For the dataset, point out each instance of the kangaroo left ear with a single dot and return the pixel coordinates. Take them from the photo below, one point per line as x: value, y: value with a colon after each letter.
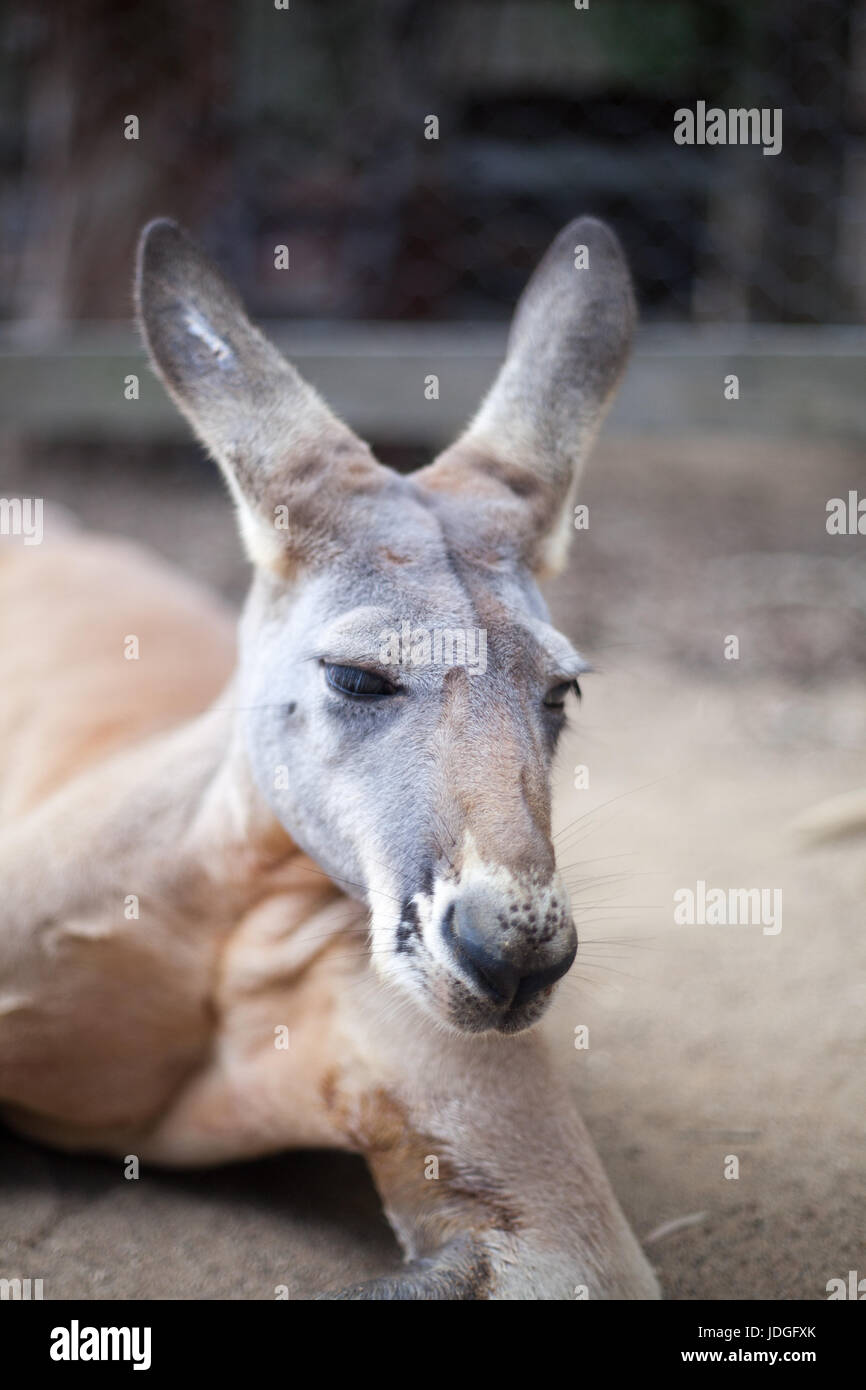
x: 280, y: 447
x: 566, y: 352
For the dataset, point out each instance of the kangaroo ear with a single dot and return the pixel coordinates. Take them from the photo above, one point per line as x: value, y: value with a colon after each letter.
x: 566, y: 352
x: 276, y: 441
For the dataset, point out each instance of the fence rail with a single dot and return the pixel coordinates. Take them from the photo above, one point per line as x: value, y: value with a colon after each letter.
x: 793, y: 380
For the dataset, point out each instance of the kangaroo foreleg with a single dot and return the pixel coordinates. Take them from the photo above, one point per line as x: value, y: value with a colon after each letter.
x: 486, y: 1172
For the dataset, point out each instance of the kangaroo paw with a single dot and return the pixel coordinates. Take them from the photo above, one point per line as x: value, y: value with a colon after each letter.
x: 461, y: 1270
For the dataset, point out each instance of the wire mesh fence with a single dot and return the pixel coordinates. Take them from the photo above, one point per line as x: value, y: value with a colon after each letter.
x: 414, y: 159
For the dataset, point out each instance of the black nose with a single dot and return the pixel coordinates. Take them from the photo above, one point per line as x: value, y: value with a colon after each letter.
x: 507, y: 976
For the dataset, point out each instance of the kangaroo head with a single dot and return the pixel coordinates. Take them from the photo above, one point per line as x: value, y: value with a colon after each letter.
x: 401, y: 690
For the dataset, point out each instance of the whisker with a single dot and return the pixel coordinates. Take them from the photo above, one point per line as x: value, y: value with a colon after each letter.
x: 592, y: 811
x: 308, y: 868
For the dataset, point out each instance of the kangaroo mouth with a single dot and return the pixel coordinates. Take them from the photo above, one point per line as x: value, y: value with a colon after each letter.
x: 467, y: 1012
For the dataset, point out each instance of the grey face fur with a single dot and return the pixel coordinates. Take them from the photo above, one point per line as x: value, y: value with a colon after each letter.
x: 425, y: 791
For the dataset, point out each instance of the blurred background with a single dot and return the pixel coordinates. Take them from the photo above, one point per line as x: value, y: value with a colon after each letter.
x: 305, y: 127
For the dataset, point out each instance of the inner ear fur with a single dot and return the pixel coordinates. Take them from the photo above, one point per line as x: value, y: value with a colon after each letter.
x: 567, y: 349
x: 285, y: 455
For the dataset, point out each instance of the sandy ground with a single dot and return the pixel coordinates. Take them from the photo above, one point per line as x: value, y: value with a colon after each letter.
x: 705, y: 1042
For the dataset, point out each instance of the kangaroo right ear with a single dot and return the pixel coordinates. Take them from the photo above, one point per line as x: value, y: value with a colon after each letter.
x: 566, y: 352
x: 278, y: 444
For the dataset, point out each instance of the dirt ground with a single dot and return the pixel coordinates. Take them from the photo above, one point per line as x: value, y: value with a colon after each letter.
x: 706, y: 1043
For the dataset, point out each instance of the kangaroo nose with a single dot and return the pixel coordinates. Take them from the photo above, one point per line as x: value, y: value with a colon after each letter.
x: 507, y: 977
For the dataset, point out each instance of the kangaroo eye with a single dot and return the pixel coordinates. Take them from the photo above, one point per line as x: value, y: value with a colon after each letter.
x: 555, y: 698
x: 357, y: 683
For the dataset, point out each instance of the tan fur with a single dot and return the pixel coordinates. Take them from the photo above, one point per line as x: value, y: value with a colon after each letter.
x: 69, y: 697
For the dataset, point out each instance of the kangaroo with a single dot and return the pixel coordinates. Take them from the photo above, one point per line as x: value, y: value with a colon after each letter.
x: 305, y: 895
